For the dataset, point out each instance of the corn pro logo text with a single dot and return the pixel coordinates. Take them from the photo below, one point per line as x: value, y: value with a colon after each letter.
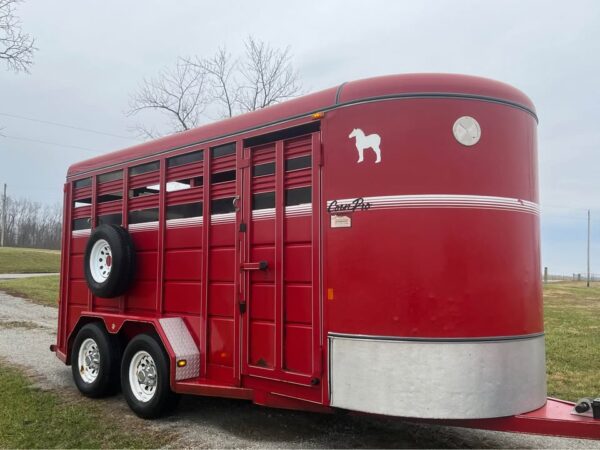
x: 359, y: 204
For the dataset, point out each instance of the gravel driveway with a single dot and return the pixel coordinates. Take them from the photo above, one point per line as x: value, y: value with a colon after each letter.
x: 14, y: 276
x: 27, y: 330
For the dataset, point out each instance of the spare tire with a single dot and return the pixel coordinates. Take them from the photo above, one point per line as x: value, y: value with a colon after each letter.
x: 109, y: 263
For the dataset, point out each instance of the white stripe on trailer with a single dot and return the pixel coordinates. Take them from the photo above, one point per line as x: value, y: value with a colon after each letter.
x: 146, y: 226
x: 304, y: 209
x: 290, y: 211
x: 444, y: 201
x: 185, y: 222
x: 222, y: 218
x: 80, y: 233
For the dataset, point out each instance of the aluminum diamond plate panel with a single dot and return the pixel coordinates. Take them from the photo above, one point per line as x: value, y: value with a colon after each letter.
x: 183, y: 345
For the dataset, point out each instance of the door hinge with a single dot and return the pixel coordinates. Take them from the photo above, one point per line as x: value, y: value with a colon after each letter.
x: 243, y: 227
x: 242, y: 304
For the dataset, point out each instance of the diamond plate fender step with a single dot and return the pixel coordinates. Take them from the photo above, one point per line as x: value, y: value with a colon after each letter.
x: 183, y: 345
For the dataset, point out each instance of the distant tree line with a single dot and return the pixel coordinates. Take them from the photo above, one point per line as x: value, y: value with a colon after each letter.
x: 31, y: 224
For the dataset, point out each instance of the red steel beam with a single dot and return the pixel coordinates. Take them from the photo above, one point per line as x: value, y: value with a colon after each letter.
x: 552, y: 419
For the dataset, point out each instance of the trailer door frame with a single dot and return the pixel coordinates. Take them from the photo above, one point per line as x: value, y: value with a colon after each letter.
x: 280, y: 304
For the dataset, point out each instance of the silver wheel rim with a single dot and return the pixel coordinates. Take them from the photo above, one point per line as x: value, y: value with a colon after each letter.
x: 101, y: 261
x: 89, y: 360
x: 143, y: 376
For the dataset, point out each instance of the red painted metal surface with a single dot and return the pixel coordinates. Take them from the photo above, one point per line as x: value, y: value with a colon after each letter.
x: 554, y: 419
x: 408, y: 84
x: 194, y: 388
x: 505, y: 296
x: 280, y: 334
x: 201, y: 227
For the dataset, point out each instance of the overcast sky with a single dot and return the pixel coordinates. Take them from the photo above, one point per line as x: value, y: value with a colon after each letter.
x: 93, y: 54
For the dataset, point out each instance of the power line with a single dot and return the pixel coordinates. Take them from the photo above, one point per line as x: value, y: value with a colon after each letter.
x: 49, y: 143
x: 64, y: 125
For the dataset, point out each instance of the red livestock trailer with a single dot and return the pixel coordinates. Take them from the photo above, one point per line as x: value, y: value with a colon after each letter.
x: 372, y: 247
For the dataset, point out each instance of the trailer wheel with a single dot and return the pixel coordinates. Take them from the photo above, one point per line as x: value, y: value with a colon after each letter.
x: 145, y: 378
x: 109, y: 262
x: 95, y: 361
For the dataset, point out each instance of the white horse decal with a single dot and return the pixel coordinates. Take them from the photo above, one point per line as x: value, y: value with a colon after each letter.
x: 363, y: 142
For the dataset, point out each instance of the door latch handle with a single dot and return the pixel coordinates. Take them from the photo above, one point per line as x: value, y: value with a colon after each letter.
x: 261, y: 265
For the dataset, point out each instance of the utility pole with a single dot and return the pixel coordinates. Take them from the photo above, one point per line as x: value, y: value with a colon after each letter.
x: 588, y: 251
x: 3, y: 217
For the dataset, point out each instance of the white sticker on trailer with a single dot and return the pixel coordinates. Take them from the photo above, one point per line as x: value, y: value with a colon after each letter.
x: 338, y: 221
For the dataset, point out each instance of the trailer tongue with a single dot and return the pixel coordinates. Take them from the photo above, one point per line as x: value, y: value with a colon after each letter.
x: 555, y: 418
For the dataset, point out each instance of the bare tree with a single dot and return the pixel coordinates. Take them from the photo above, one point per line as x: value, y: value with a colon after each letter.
x: 268, y: 76
x: 222, y: 83
x: 223, y: 86
x: 181, y: 93
x: 16, y: 47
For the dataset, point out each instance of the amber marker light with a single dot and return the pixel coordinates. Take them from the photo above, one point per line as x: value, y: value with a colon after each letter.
x: 181, y: 363
x: 318, y: 115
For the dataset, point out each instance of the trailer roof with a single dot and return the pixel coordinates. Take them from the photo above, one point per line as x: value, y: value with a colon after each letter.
x: 390, y: 86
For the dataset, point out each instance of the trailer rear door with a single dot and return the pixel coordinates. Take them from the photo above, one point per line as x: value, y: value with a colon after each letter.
x: 280, y: 254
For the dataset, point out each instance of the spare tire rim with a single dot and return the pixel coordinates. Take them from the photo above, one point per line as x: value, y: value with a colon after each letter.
x: 88, y: 360
x: 101, y: 261
x: 143, y: 376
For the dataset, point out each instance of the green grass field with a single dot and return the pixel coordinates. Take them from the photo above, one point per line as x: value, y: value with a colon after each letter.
x: 572, y: 313
x: 31, y: 418
x: 26, y: 260
x: 41, y: 290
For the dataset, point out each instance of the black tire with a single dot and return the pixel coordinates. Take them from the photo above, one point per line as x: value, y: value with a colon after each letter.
x: 163, y: 400
x: 107, y: 379
x: 122, y: 264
